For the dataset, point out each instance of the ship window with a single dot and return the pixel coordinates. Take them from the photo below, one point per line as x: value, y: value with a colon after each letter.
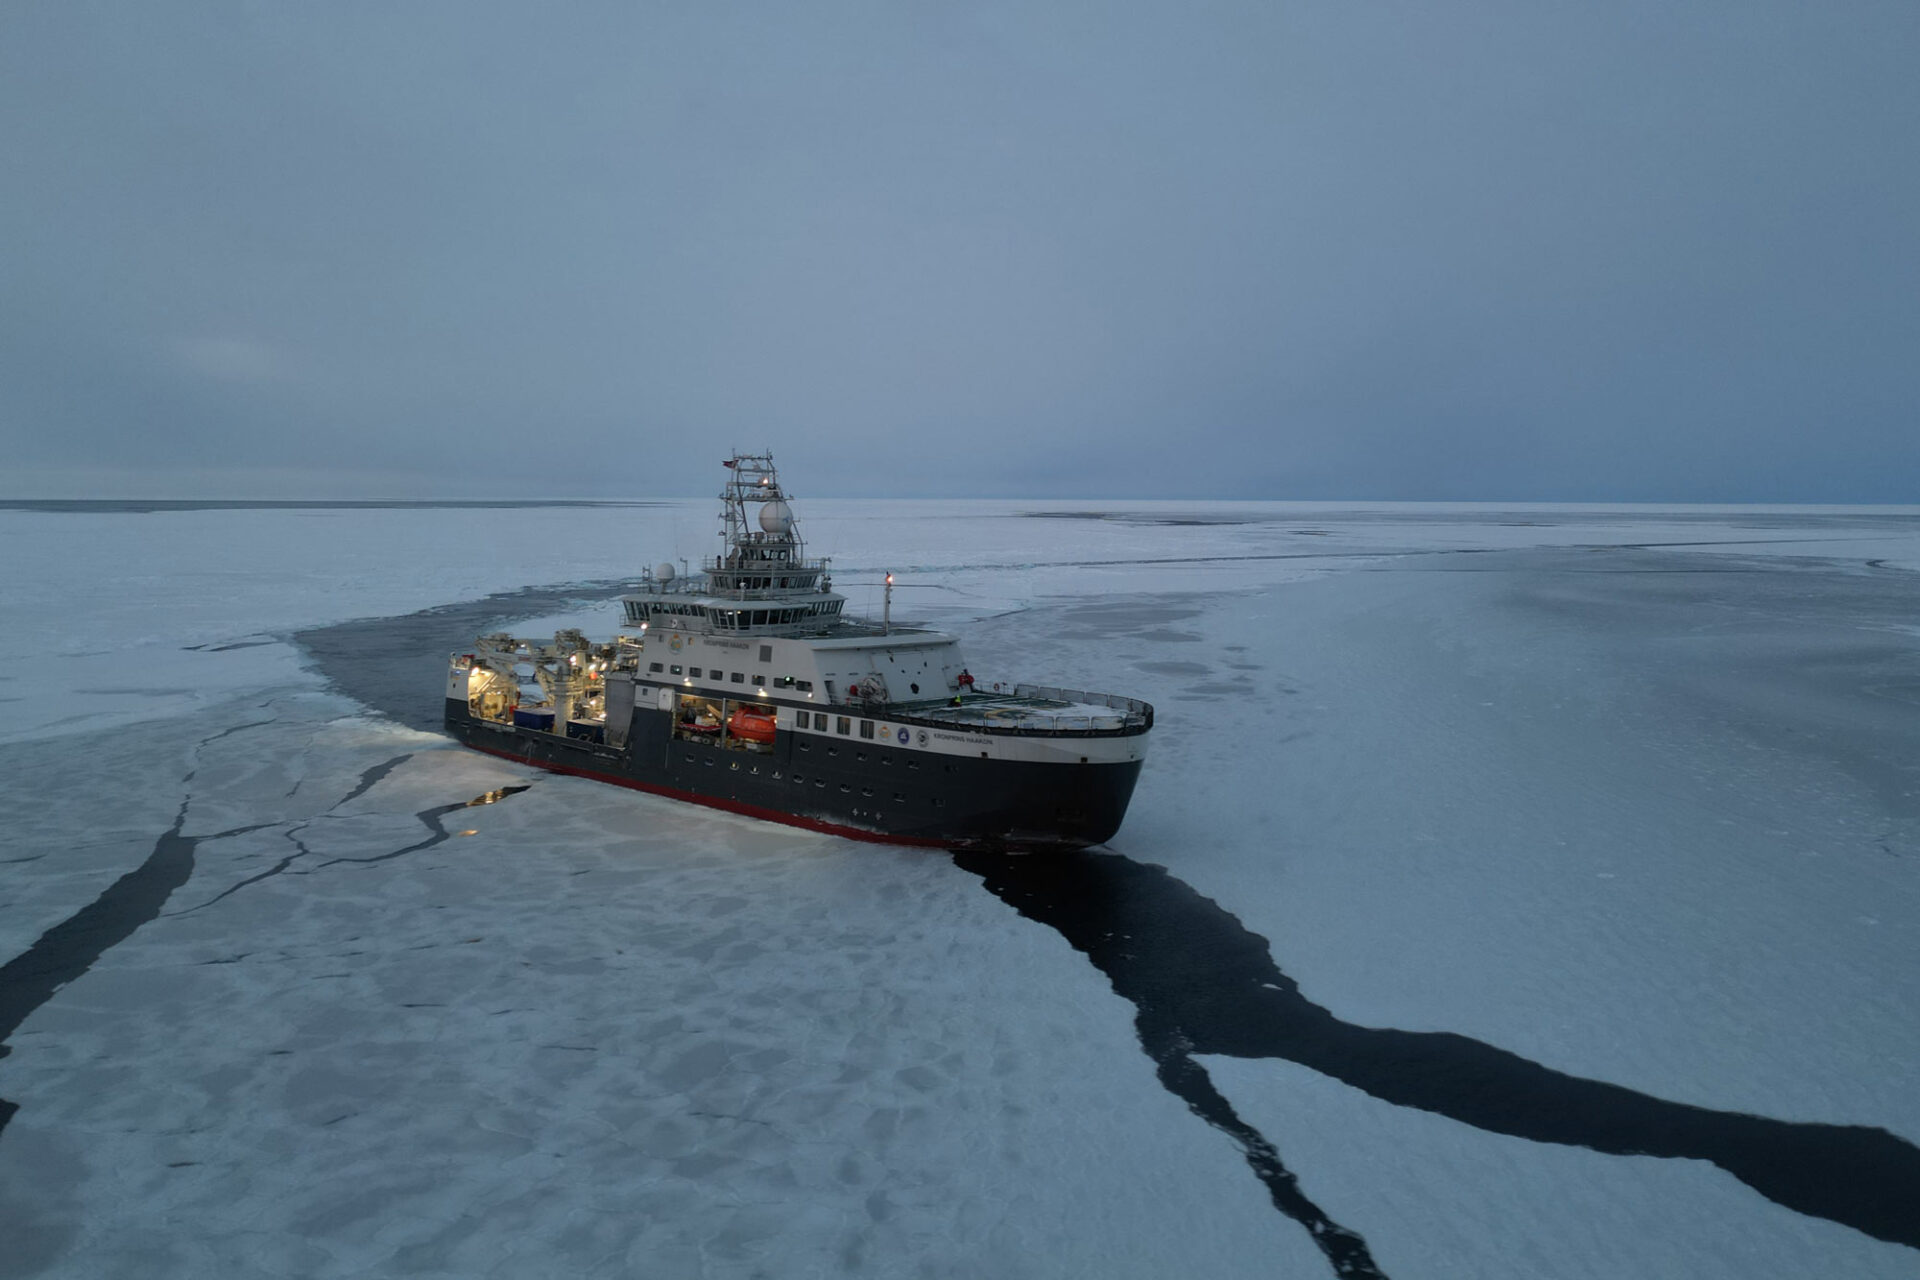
x: 866, y: 728
x: 739, y: 677
x: 820, y: 721
x: 866, y: 791
x: 653, y: 666
x: 842, y: 725
x: 766, y: 653
x: 913, y: 764
x: 675, y: 670
x: 846, y: 788
x: 806, y: 686
x: 786, y: 682
x: 760, y: 681
x: 694, y: 672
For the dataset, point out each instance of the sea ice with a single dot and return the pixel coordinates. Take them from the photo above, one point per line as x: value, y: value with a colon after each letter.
x: 1628, y: 793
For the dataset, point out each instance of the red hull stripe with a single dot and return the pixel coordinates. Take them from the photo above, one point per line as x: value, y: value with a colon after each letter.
x: 714, y: 802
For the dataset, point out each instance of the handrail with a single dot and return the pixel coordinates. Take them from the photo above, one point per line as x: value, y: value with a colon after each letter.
x: 1136, y: 717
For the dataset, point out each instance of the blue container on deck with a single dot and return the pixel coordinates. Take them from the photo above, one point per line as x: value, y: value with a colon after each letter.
x: 587, y: 730
x: 525, y: 719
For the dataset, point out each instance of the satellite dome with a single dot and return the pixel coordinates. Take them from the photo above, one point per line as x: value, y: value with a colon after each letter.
x: 776, y: 517
x: 663, y: 571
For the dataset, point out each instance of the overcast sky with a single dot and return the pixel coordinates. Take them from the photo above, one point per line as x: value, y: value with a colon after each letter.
x: 1662, y: 250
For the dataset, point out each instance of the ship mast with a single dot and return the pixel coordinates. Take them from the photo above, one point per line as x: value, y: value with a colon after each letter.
x: 773, y: 534
x: 765, y: 556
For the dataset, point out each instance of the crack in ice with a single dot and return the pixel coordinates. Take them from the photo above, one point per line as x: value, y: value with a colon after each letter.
x: 368, y: 778
x: 71, y: 948
x: 1202, y: 982
x: 430, y: 818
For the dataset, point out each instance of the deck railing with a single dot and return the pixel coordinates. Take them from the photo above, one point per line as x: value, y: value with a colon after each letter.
x: 1124, y: 716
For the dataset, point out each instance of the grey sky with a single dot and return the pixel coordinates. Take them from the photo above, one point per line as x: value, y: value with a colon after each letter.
x: 1339, y: 249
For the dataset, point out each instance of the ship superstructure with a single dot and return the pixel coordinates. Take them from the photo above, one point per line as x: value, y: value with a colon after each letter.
x: 746, y: 687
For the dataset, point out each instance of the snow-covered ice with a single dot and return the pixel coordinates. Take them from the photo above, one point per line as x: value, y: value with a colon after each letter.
x: 1630, y: 794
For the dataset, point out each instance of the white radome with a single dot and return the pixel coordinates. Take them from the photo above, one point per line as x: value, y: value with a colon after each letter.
x: 663, y: 571
x: 776, y: 517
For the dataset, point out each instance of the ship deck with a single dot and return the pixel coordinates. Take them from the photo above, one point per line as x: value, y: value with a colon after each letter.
x: 1032, y: 709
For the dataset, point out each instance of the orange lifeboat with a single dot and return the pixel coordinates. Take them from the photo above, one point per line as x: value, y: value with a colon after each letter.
x: 751, y: 726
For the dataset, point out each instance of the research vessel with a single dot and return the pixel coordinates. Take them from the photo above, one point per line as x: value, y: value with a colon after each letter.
x: 747, y: 687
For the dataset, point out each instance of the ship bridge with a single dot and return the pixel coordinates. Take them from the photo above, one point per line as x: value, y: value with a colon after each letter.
x: 761, y: 584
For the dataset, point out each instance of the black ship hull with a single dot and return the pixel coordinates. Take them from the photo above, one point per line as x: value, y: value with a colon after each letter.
x: 867, y: 791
